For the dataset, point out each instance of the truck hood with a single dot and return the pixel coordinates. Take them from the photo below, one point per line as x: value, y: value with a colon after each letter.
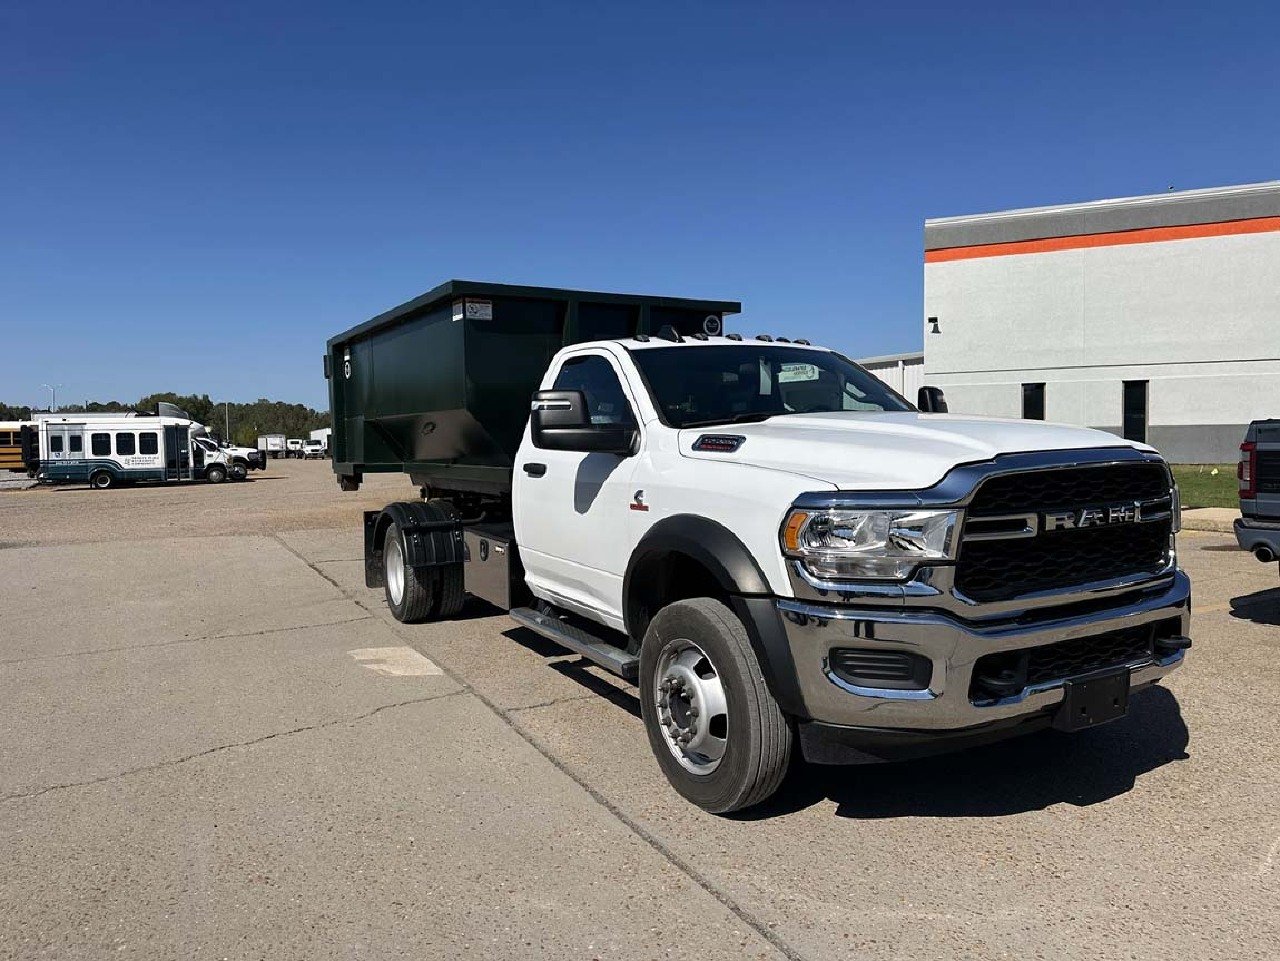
x: 857, y: 450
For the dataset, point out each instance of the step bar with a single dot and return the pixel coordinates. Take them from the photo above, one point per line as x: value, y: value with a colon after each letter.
x: 593, y: 648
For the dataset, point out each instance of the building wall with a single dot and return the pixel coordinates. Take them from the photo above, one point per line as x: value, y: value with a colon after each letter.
x: 1198, y: 318
x: 904, y: 374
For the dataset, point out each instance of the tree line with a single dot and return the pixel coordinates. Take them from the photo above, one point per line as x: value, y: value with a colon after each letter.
x: 247, y: 421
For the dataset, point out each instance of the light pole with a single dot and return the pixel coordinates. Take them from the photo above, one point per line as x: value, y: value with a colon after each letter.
x: 53, y: 395
x: 226, y: 421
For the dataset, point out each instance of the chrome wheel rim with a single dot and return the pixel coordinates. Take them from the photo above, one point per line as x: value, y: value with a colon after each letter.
x: 394, y: 565
x: 693, y: 713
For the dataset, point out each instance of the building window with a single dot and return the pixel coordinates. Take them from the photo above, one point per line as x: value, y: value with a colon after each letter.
x: 149, y: 443
x: 76, y: 443
x: 1033, y: 401
x: 55, y: 443
x: 125, y: 444
x: 100, y: 444
x: 1134, y: 415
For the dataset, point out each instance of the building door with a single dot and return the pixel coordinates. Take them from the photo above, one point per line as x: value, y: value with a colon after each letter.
x: 1033, y: 401
x: 1134, y: 418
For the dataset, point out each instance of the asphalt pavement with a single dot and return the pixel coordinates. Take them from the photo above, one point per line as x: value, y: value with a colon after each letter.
x: 218, y: 744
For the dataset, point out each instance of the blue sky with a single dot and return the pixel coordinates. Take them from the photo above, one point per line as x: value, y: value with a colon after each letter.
x: 196, y: 196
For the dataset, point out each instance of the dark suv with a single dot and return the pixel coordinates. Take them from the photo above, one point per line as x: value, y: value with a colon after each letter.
x: 1258, y: 529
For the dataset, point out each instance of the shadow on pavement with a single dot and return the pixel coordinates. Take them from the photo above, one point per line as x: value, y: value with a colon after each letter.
x: 1023, y: 774
x: 1261, y: 607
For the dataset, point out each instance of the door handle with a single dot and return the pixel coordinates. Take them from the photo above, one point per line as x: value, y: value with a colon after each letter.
x: 535, y: 470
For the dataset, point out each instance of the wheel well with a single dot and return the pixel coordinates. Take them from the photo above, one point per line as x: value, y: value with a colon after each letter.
x: 662, y: 578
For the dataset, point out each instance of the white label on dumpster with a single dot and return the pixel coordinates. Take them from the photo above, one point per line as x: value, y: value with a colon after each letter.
x: 479, y: 310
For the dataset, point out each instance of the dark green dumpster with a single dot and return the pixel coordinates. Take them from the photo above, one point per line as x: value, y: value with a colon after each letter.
x: 439, y: 387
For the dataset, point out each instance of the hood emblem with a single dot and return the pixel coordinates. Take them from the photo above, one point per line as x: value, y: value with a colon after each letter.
x: 719, y: 443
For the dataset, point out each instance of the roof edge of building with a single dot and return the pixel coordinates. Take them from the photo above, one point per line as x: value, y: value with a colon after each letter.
x: 1173, y: 209
x: 892, y: 358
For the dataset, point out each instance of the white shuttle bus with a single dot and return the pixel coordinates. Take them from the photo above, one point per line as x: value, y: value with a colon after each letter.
x: 108, y: 450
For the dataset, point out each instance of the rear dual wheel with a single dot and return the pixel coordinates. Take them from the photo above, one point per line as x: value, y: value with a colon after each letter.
x: 417, y: 594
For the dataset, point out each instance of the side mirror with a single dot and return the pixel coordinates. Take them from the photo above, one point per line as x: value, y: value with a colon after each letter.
x: 558, y: 421
x: 930, y: 400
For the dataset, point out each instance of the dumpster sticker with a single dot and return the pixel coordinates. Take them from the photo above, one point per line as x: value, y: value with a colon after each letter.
x: 711, y: 325
x: 473, y: 310
x: 346, y: 364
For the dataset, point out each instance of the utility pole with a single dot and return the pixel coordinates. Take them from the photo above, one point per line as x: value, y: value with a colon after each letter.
x: 226, y: 422
x: 53, y: 395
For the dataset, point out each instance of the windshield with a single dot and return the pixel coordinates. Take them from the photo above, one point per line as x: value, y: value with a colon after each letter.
x: 700, y: 386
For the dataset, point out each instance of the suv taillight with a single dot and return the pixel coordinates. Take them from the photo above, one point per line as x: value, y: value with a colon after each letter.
x: 1248, y: 470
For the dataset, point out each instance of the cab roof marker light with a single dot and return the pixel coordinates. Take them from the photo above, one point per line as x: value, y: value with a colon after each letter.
x: 765, y: 337
x: 734, y: 337
x: 801, y: 340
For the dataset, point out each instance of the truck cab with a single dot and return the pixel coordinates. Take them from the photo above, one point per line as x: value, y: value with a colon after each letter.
x: 787, y: 557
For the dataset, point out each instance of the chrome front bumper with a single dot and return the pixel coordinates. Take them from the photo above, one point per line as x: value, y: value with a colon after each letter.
x: 953, y: 645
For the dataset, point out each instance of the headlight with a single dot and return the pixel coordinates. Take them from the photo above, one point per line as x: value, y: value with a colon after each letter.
x: 867, y: 543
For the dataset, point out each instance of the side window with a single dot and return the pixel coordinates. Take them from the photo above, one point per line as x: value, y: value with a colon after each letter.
x: 55, y: 443
x: 594, y: 376
x: 125, y: 444
x: 149, y: 443
x: 76, y: 443
x: 100, y: 444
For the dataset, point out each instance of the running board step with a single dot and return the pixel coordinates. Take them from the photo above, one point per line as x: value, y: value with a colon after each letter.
x: 579, y: 641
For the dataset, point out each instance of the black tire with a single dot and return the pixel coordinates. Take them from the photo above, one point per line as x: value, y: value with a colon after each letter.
x: 348, y: 483
x: 453, y: 590
x: 101, y: 480
x: 215, y: 474
x: 757, y: 739
x: 238, y: 472
x: 419, y: 588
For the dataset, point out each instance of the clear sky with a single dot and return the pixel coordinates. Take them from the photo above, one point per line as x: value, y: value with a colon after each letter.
x: 196, y: 196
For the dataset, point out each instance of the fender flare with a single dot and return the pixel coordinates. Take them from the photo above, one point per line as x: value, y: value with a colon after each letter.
x: 432, y: 538
x: 723, y: 554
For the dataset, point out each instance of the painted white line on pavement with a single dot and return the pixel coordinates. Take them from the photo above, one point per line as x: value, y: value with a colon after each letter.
x: 395, y: 661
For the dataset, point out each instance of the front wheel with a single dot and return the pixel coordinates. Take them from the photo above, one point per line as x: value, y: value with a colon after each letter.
x: 718, y: 734
x: 238, y: 472
x: 215, y: 474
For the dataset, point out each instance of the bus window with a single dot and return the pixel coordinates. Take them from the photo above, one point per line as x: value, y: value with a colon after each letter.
x: 125, y: 444
x: 75, y: 444
x: 149, y: 443
x: 100, y: 444
x: 55, y: 443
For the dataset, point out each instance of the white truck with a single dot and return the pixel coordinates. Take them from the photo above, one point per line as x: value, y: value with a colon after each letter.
x: 785, y: 555
x: 294, y: 447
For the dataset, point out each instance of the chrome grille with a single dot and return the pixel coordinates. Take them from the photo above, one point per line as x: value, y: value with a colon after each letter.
x: 1004, y: 558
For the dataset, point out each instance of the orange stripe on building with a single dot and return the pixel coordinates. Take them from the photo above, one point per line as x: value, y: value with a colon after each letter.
x: 1145, y: 235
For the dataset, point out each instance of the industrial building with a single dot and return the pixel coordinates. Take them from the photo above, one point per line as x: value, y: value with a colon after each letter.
x: 1156, y: 318
x: 903, y: 372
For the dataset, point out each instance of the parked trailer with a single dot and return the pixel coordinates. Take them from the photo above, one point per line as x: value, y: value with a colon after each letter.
x: 272, y: 445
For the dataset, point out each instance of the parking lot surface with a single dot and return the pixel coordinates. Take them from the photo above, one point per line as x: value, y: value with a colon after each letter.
x: 216, y: 743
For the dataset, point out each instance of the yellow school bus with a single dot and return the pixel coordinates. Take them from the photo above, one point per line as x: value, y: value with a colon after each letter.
x: 11, y: 444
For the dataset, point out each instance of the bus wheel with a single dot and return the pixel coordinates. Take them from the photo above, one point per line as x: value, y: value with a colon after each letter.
x: 101, y: 480
x: 215, y: 474
x: 239, y: 472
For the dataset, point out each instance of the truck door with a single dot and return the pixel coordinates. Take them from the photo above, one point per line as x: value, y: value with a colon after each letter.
x: 571, y: 508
